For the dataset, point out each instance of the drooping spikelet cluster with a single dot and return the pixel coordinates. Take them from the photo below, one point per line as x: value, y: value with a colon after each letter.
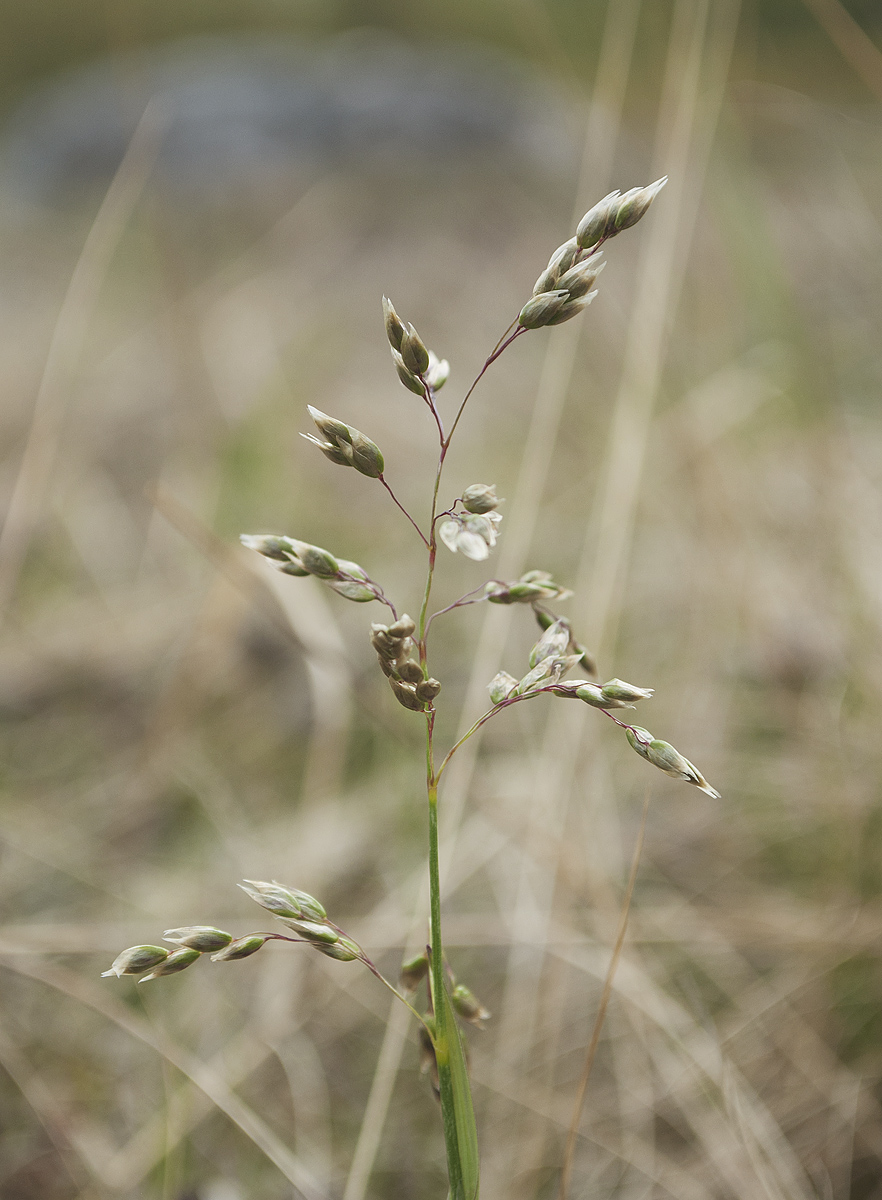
x: 297, y: 910
x: 292, y: 557
x: 394, y: 646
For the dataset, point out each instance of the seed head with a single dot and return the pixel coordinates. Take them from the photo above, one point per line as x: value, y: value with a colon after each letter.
x: 333, y: 430
x: 546, y: 282
x: 564, y: 256
x: 580, y: 278
x: 428, y: 690
x: 411, y: 672
x: 664, y: 756
x: 394, y: 327
x: 468, y: 1006
x: 135, y: 960
x: 283, y: 901
x: 571, y: 309
x: 405, y: 694
x: 407, y: 377
x: 413, y: 352
x: 281, y: 551
x: 592, y: 694
x: 534, y: 585
x: 671, y: 761
x: 349, y: 584
x: 329, y: 449
x: 596, y: 222
x: 553, y: 643
x: 367, y: 457
x: 199, y: 937
x: 545, y: 672
x: 405, y: 626
x: 413, y: 972
x: 640, y: 739
x: 314, y: 931
x: 539, y: 311
x: 501, y: 686
x: 624, y: 694
x: 345, y: 445
x: 384, y: 641
x: 242, y: 947
x: 317, y: 561
x: 343, y: 950
x: 177, y: 961
x: 632, y: 206
x: 481, y: 498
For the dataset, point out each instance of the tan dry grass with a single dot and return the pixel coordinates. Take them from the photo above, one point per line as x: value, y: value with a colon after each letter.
x: 167, y: 732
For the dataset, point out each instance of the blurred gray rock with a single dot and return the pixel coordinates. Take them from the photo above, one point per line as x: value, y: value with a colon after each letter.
x: 239, y: 110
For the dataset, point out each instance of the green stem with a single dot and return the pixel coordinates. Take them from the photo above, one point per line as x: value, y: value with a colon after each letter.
x: 443, y: 1033
x: 433, y: 550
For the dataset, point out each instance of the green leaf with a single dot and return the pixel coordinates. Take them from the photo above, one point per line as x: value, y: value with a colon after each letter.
x: 463, y: 1110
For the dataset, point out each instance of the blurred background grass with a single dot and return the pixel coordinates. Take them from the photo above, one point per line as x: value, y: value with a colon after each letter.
x: 702, y: 458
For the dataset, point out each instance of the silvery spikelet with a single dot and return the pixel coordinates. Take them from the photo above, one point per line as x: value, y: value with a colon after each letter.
x: 135, y: 960
x: 353, y: 587
x: 552, y: 644
x: 534, y: 585
x: 177, y: 961
x: 283, y: 901
x: 633, y: 205
x: 437, y: 373
x: 593, y: 225
x: 664, y: 756
x: 501, y: 686
x: 343, y: 950
x: 313, y: 931
x: 406, y: 376
x: 413, y: 351
x: 203, y: 938
x: 580, y: 278
x: 571, y: 309
x: 481, y: 498
x: 345, y: 445
x: 281, y: 551
x: 393, y: 324
x: 545, y: 671
x: 625, y: 694
x: 541, y: 309
x: 468, y: 1006
x: 242, y: 947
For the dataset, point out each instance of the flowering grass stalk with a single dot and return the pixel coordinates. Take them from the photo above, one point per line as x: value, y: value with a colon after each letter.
x: 469, y: 526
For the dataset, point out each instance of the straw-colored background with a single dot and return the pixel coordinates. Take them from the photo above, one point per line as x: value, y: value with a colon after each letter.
x: 700, y: 457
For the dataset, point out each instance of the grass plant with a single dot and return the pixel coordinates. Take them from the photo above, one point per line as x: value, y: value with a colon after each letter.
x: 174, y: 720
x: 469, y: 525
